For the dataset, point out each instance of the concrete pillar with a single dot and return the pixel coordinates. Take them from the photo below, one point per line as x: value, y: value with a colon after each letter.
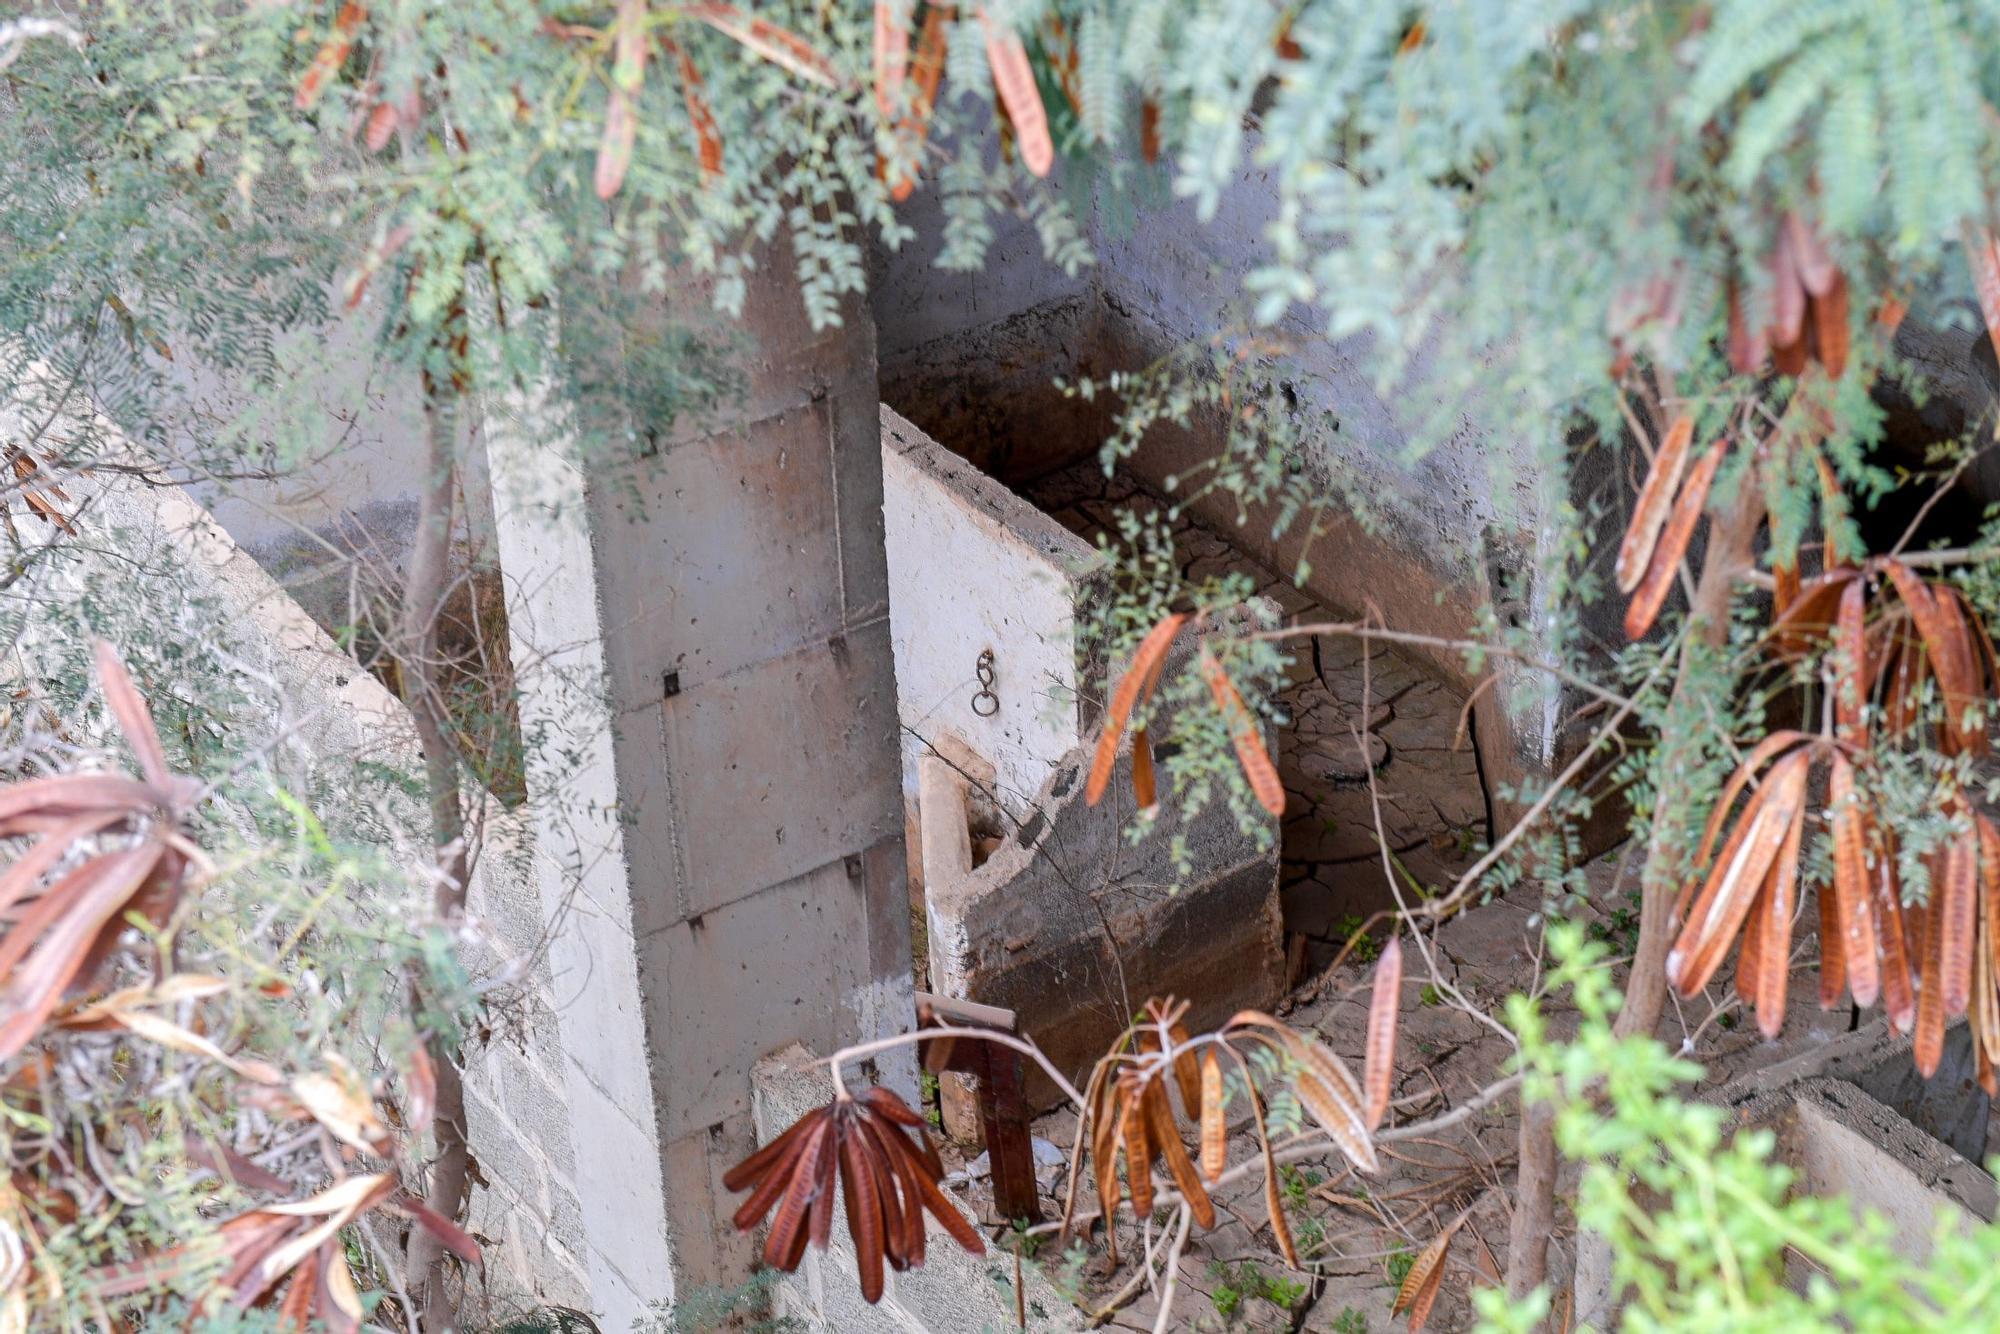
x: 702, y: 645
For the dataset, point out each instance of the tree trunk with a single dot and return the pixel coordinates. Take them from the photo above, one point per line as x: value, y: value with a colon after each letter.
x: 1731, y: 551
x: 1534, y: 1202
x: 424, y: 593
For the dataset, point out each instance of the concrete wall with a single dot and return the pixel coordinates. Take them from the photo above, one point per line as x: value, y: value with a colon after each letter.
x: 1453, y: 526
x: 343, y: 446
x: 1072, y: 926
x: 972, y: 568
x: 738, y: 883
x: 153, y: 557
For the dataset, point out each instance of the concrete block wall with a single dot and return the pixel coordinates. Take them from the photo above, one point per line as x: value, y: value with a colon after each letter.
x: 151, y: 555
x: 703, y: 633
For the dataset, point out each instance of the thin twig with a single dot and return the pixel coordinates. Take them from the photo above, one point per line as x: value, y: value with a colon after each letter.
x: 1166, y: 1315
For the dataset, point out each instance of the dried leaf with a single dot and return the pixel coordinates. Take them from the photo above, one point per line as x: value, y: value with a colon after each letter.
x: 892, y: 54
x: 1948, y: 648
x: 1788, y: 296
x: 1928, y: 1048
x: 1673, y: 544
x: 1889, y: 315
x: 789, y: 1226
x: 1956, y: 902
x: 382, y: 119
x: 1656, y: 498
x: 339, y: 1100
x: 774, y: 42
x: 628, y: 79
x: 1738, y: 875
x: 1382, y: 1009
x: 1022, y: 101
x: 708, y: 136
x: 419, y: 1089
x: 1214, y: 1128
x: 1245, y: 735
x: 169, y: 1034
x: 135, y: 720
x: 62, y: 928
x: 1898, y: 989
x: 614, y: 149
x: 1832, y: 950
x: 1764, y: 752
x: 1852, y: 685
x: 337, y: 1206
x: 863, y: 1197
x: 1164, y: 1134
x: 1187, y: 1069
x: 1136, y: 1132
x: 1854, y: 939
x: 767, y: 1160
x: 1747, y: 350
x: 331, y: 55
x: 1327, y: 1090
x: 1750, y: 957
x: 1420, y: 1286
x: 1145, y: 787
x: 1776, y: 946
x: 1983, y: 257
x: 1107, y: 1118
x: 337, y: 1281
x: 1830, y: 323
x: 1818, y: 274
x: 926, y: 73
x: 924, y: 1192
x: 1985, y: 1009
x: 1152, y: 651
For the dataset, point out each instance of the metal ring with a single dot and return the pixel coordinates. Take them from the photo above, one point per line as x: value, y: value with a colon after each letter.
x: 985, y: 703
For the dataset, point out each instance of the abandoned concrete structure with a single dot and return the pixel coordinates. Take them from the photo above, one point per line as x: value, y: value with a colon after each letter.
x: 819, y: 649
x: 751, y: 699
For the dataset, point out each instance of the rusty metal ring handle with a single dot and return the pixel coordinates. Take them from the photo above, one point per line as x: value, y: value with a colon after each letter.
x: 985, y: 703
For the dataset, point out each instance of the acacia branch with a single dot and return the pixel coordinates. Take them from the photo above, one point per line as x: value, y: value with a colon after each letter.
x: 423, y: 595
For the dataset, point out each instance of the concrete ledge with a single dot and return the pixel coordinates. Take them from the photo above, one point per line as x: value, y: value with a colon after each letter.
x: 1072, y: 927
x: 953, y: 1291
x: 1842, y: 1142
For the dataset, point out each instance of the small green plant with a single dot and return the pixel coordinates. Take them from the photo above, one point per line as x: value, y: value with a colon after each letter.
x: 1430, y: 995
x: 1620, y: 925
x: 1248, y: 1282
x: 743, y: 1307
x: 1707, y: 1249
x: 927, y: 1089
x: 1309, y: 1235
x: 550, y: 1320
x: 1362, y: 948
x: 1350, y: 1321
x: 1296, y: 1183
x: 1397, y: 1267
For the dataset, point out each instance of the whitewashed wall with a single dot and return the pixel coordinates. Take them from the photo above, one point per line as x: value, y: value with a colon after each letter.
x: 973, y: 567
